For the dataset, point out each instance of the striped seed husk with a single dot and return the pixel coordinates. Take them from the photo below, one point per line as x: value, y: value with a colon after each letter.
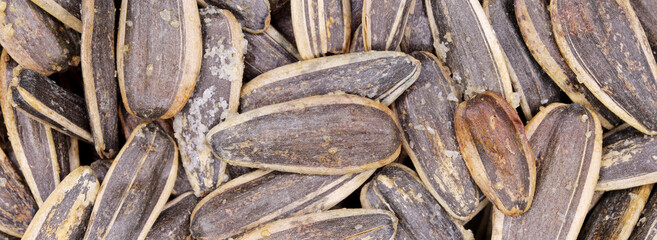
x: 159, y: 54
x: 384, y: 23
x: 98, y: 74
x: 17, y: 205
x: 398, y: 189
x: 36, y: 40
x: 381, y: 76
x: 597, y: 195
x: 357, y: 41
x: 417, y: 33
x: 173, y: 222
x: 646, y: 227
x: 130, y: 122
x: 215, y: 98
x: 321, y: 27
x: 646, y: 11
x: 329, y: 134
x: 616, y: 214
x: 624, y: 79
x: 356, y: 15
x: 66, y: 11
x: 333, y: 224
x: 282, y: 21
x: 44, y: 155
x: 263, y: 196
x: 567, y: 143
x: 493, y: 144
x: 65, y: 213
x: 535, y: 26
x: 253, y: 15
x: 267, y: 51
x: 426, y: 114
x: 464, y: 39
x: 136, y: 187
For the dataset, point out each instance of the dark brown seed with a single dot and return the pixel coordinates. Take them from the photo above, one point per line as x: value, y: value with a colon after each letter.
x: 426, y: 112
x: 321, y: 27
x: 234, y: 171
x: 282, y: 21
x: 263, y: 196
x: 646, y: 227
x: 534, y: 23
x: 384, y: 23
x: 333, y: 224
x: 65, y: 213
x: 36, y: 40
x: 646, y: 11
x: 616, y: 214
x: 17, y: 207
x: 47, y: 102
x: 597, y: 195
x: 159, y: 53
x: 417, y: 33
x: 398, y: 189
x: 44, y: 155
x: 330, y: 134
x: 130, y: 122
x: 136, y: 186
x: 381, y: 76
x: 215, y: 97
x: 464, y: 39
x: 100, y: 168
x: 182, y: 184
x: 628, y: 159
x: 356, y: 16
x: 589, y: 35
x: 267, y: 51
x: 357, y: 41
x: 66, y: 11
x: 173, y: 222
x: 492, y: 140
x: 277, y: 5
x: 534, y: 86
x: 567, y: 143
x: 98, y: 73
x: 253, y: 15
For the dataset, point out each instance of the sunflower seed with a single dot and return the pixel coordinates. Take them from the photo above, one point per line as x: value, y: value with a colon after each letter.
x: 611, y: 57
x: 136, y: 186
x: 567, y: 143
x: 321, y: 27
x: 330, y: 134
x: 65, y: 212
x: 17, y: 205
x: 98, y: 73
x: 159, y: 53
x: 628, y: 159
x: 253, y: 15
x: 263, y: 196
x: 616, y: 214
x: 398, y: 189
x: 356, y: 15
x: 417, y: 34
x: 426, y: 112
x: 282, y: 21
x: 357, y: 41
x: 66, y: 11
x: 382, y: 76
x: 646, y: 11
x: 384, y: 23
x: 333, y: 224
x: 267, y: 51
x: 173, y: 222
x: 100, y: 168
x: 647, y: 224
x: 492, y: 141
x: 597, y: 195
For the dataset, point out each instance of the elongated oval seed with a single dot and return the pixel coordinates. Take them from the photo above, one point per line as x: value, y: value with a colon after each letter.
x: 623, y: 79
x: 616, y: 214
x: 384, y: 23
x: 426, y: 114
x: 330, y: 134
x: 536, y: 29
x: 36, y: 40
x: 321, y: 27
x: 65, y: 213
x: 333, y: 224
x: 267, y: 51
x: 17, y: 205
x: 46, y: 102
x: 253, y: 15
x: 215, y: 97
x: 382, y: 76
x: 173, y: 222
x: 647, y: 224
x: 492, y: 141
x: 98, y: 73
x: 158, y: 56
x: 628, y: 159
x: 464, y: 39
x: 263, y: 196
x: 417, y: 33
x: 567, y: 143
x: 646, y: 11
x: 136, y: 186
x: 397, y: 188
x: 66, y: 11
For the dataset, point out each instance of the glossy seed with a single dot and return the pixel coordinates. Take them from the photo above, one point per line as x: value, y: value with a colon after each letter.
x: 321, y: 27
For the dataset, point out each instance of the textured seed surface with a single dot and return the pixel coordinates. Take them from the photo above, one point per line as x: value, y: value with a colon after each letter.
x: 267, y: 51
x: 100, y: 168
x: 17, y: 205
x: 567, y: 143
x: 492, y: 140
x: 381, y: 76
x: 590, y: 35
x: 263, y: 196
x: 426, y: 114
x: 173, y: 222
x: 384, y: 23
x: 331, y: 134
x: 646, y: 227
x: 321, y: 27
x: 253, y: 15
x: 282, y: 21
x: 333, y: 224
x: 136, y: 186
x: 158, y: 56
x: 616, y: 214
x: 627, y: 159
x: 646, y: 11
x: 417, y: 33
x: 66, y: 11
x: 357, y: 44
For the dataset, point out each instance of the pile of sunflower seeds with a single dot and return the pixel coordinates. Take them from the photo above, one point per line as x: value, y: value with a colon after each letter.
x: 331, y: 119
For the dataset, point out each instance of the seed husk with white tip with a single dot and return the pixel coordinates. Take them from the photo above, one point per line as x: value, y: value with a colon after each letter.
x: 66, y: 11
x: 384, y: 23
x: 321, y: 27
